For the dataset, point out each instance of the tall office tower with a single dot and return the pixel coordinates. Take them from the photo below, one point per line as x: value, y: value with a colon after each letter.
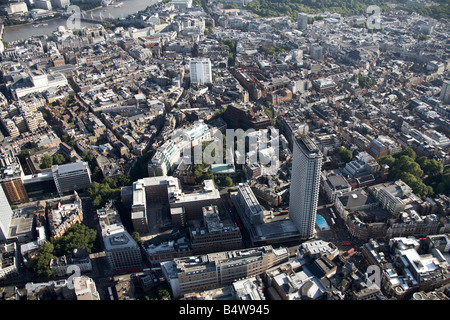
x: 200, y: 70
x: 305, y: 181
x: 302, y: 21
x: 72, y: 176
x: 5, y: 215
x: 316, y: 52
x: 445, y: 91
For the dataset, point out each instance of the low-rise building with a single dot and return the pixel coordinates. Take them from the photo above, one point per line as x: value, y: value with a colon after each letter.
x: 214, y: 236
x: 183, y: 208
x: 392, y: 196
x: 293, y: 280
x: 198, y: 273
x: 85, y: 288
x: 64, y: 215
x: 416, y: 271
x: 122, y: 251
x: 353, y: 201
x: 79, y: 258
x: 72, y: 176
x: 167, y: 250
x: 335, y: 185
x: 9, y: 261
x: 317, y: 248
x: 169, y: 154
x: 38, y: 82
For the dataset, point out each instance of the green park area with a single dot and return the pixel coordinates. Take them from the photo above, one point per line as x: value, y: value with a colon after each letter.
x: 424, y: 175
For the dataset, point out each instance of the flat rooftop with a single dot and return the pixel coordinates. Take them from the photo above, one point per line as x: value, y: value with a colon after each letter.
x: 70, y: 167
x: 119, y: 240
x: 357, y: 198
x: 276, y: 230
x: 337, y: 182
x: 308, y: 146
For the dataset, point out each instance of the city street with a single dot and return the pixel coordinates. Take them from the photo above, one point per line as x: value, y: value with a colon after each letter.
x: 338, y: 232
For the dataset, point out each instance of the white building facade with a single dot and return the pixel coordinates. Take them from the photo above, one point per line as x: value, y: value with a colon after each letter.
x: 200, y: 70
x: 305, y: 183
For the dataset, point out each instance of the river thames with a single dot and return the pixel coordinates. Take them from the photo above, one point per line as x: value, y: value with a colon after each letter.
x: 25, y: 31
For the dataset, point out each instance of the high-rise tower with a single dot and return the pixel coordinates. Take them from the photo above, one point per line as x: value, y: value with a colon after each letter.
x: 305, y: 181
x: 5, y: 215
x: 302, y: 21
x: 445, y: 91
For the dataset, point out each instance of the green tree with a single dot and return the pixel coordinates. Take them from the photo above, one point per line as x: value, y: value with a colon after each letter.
x: 97, y: 174
x: 365, y: 82
x: 41, y: 263
x: 232, y: 50
x: 422, y: 174
x: 198, y: 172
x: 23, y: 154
x: 345, y: 154
x: 228, y: 182
x: 430, y: 167
x: 78, y: 236
x: 272, y: 50
x: 406, y: 152
x: 408, y: 164
x: 202, y: 172
x: 443, y: 184
x: 163, y: 293
x: 136, y: 237
x: 160, y: 293
x: 46, y: 161
x: 422, y: 37
x: 139, y: 170
x: 207, y: 175
x: 110, y: 182
x: 58, y: 158
x: 240, y: 175
x: 97, y: 201
x: 269, y: 112
x: 291, y: 8
x: 418, y: 187
x: 107, y: 25
x: 66, y: 139
x: 405, y: 164
x: 123, y: 180
x: 389, y: 160
x: 102, y: 192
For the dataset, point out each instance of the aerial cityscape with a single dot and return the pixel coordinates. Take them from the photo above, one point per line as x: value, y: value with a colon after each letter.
x: 226, y: 150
